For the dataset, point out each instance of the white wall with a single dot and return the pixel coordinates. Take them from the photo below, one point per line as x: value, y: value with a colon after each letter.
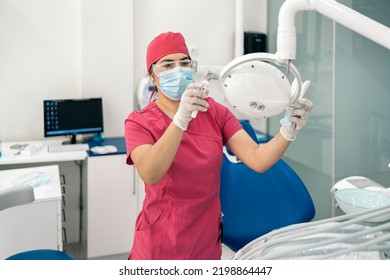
x: 208, y: 25
x: 63, y: 49
x: 88, y: 48
x: 107, y: 58
x: 39, y: 58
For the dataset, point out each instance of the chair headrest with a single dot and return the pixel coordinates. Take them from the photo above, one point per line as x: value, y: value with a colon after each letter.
x: 16, y: 196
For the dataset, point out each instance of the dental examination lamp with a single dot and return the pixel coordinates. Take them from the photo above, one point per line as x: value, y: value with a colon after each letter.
x: 256, y: 88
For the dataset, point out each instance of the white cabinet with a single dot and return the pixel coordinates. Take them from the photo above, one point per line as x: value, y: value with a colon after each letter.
x: 110, y: 206
x: 107, y: 198
x: 35, y: 225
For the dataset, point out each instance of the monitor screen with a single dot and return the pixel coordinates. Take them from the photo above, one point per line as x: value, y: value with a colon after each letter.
x: 72, y: 117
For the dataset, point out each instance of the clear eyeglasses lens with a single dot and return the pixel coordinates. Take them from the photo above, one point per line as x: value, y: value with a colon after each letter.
x: 160, y: 67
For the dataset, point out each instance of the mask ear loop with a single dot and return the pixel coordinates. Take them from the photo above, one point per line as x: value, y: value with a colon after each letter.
x: 154, y: 89
x: 152, y: 94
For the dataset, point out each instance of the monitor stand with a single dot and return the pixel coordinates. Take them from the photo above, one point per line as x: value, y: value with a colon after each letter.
x: 71, y: 141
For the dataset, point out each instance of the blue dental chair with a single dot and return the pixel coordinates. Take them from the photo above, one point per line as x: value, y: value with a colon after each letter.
x: 254, y: 204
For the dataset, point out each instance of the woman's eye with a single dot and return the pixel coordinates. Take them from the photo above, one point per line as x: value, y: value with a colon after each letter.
x: 169, y: 65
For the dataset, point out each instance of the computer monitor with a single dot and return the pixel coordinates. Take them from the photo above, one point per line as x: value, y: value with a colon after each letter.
x: 69, y: 117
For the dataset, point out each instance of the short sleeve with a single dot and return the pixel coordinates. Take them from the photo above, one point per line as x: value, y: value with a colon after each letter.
x: 228, y: 122
x: 136, y: 134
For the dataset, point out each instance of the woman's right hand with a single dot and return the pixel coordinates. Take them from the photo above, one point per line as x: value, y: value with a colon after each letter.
x: 193, y: 99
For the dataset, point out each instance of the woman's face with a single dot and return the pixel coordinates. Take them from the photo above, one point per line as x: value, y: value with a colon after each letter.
x: 165, y: 63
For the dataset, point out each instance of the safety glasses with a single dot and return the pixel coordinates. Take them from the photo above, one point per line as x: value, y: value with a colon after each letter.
x: 169, y: 65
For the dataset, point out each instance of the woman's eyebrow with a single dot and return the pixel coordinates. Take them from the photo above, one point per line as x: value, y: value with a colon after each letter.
x: 170, y: 60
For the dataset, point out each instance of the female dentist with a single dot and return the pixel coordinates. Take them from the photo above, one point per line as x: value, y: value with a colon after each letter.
x: 179, y: 157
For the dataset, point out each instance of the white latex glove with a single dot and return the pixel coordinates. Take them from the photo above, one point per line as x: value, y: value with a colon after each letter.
x: 191, y: 100
x: 205, y: 88
x: 295, y: 119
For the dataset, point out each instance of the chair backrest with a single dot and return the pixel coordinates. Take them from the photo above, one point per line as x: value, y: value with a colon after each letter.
x: 254, y: 204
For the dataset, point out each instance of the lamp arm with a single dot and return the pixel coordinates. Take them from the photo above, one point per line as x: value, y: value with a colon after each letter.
x: 286, y: 37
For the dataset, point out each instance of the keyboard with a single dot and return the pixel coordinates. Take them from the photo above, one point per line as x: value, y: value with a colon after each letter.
x: 59, y: 148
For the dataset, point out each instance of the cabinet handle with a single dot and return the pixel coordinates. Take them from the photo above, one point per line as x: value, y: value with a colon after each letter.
x: 64, y: 236
x: 63, y: 215
x: 62, y: 180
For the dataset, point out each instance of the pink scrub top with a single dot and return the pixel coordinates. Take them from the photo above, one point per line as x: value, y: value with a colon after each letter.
x: 180, y: 216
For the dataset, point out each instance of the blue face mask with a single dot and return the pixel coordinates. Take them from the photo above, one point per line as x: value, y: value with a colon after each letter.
x: 174, y: 82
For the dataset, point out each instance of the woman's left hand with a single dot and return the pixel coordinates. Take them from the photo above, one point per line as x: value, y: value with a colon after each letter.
x: 298, y: 118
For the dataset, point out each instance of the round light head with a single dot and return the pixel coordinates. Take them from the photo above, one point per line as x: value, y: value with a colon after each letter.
x: 257, y: 89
